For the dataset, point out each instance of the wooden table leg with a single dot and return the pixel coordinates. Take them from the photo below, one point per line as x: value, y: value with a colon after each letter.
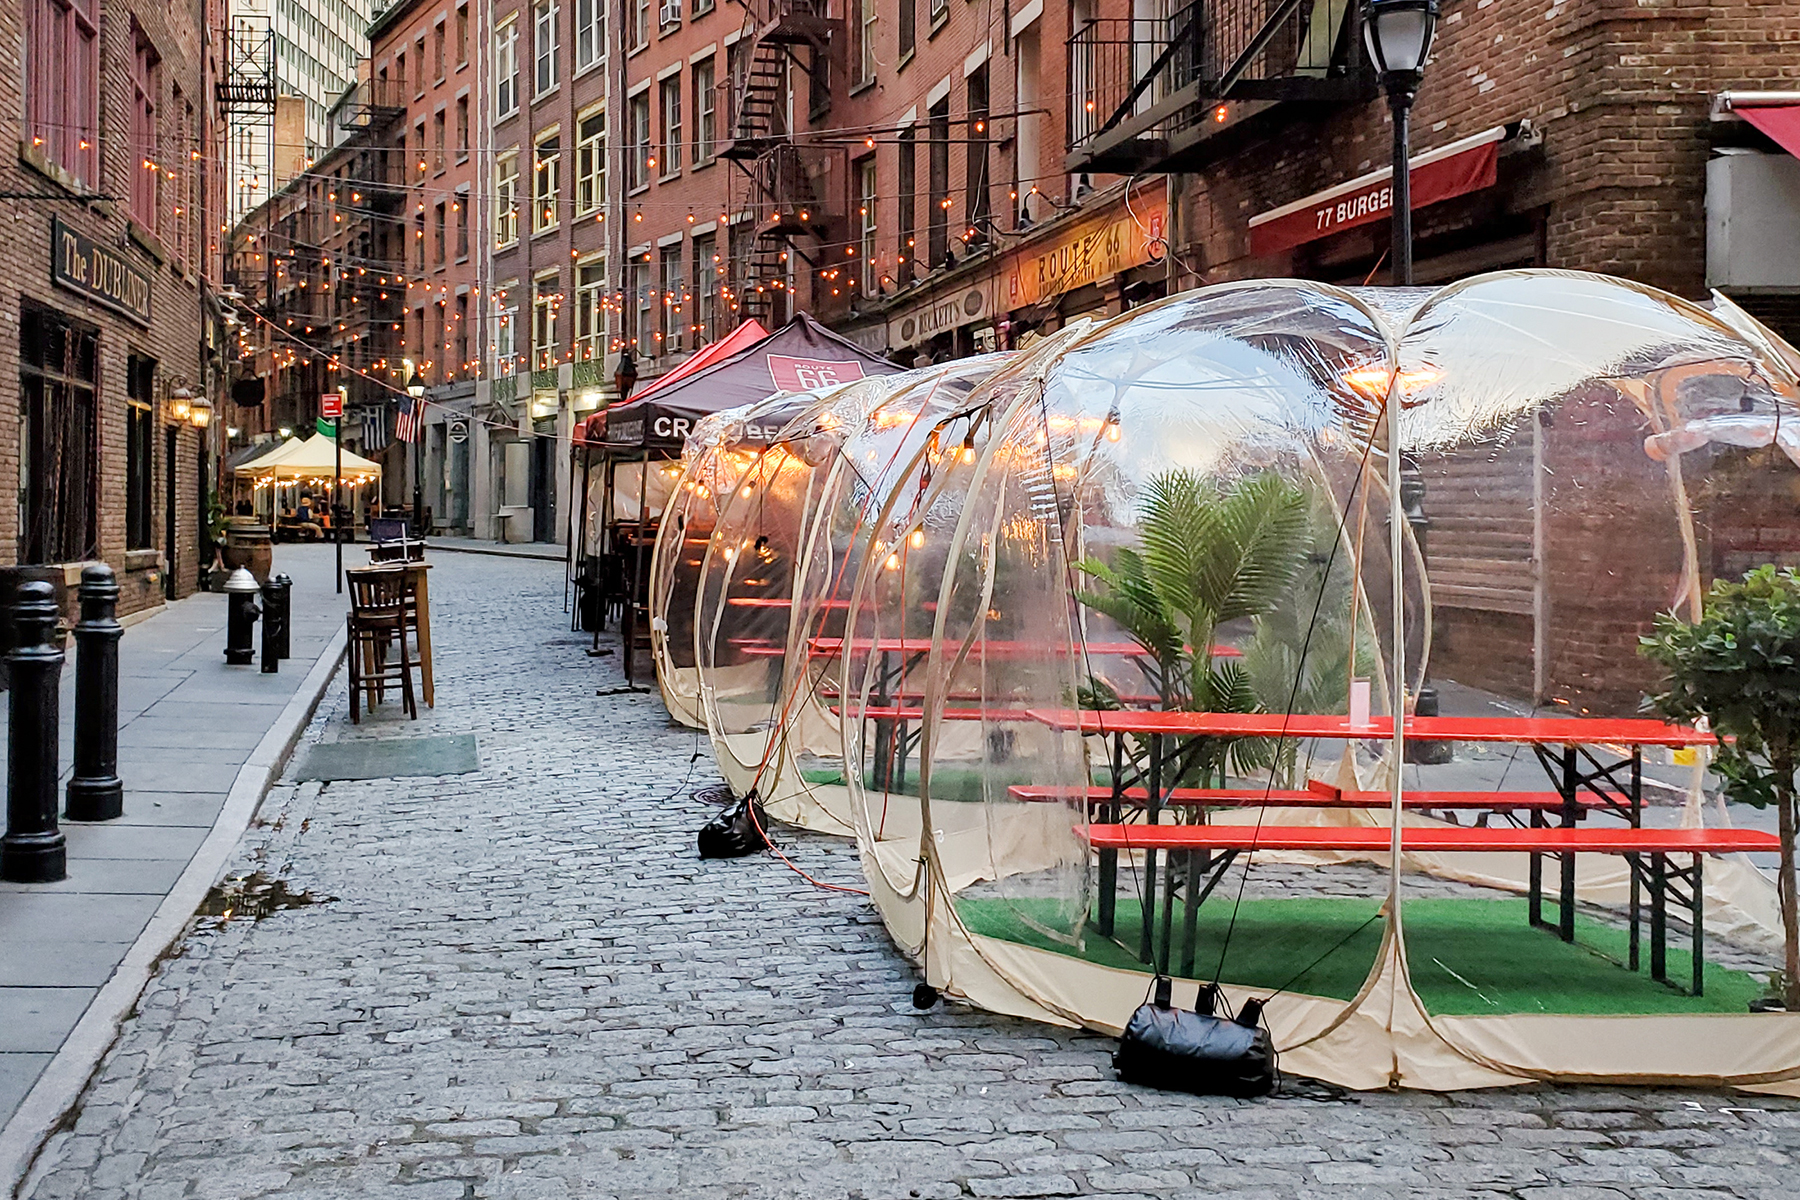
x: 1698, y: 899
x: 424, y: 610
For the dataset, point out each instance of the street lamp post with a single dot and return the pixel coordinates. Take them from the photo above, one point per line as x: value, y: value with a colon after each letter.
x: 1398, y: 35
x: 415, y: 387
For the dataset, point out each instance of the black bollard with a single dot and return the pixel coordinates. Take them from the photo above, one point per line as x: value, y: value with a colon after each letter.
x: 241, y: 612
x: 271, y: 627
x: 95, y: 791
x: 32, y: 850
x: 281, y: 599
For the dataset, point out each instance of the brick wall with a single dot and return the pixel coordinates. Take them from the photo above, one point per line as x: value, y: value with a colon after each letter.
x: 174, y: 336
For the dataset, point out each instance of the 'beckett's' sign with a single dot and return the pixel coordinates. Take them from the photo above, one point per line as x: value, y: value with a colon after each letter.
x: 104, y: 276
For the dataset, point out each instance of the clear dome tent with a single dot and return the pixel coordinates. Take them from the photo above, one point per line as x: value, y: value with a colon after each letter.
x: 1126, y: 704
x: 705, y: 470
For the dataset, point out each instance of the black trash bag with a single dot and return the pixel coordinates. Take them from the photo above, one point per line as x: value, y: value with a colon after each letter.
x: 737, y: 831
x: 1198, y: 1052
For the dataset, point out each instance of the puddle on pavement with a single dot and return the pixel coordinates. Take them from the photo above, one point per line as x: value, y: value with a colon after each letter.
x: 253, y: 897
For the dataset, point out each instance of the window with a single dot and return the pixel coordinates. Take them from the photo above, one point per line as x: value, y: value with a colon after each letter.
x: 637, y: 159
x: 461, y: 332
x: 705, y: 289
x: 590, y: 33
x: 140, y: 452
x: 937, y: 220
x: 668, y: 12
x: 543, y: 44
x: 419, y: 57
x: 637, y: 306
x: 670, y: 94
x: 909, y: 26
x: 590, y: 311
x: 706, y: 131
x: 438, y: 161
x: 737, y: 68
x: 437, y: 51
x: 700, y: 8
x: 62, y: 84
x: 439, y: 237
x: 461, y: 205
x: 462, y: 129
x: 543, y: 324
x: 640, y: 23
x: 865, y: 186
x: 419, y: 141
x: 975, y: 174
x: 669, y: 305
x: 506, y: 331
x: 462, y: 35
x: 865, y: 46
x: 506, y: 69
x: 146, y: 96
x: 419, y: 241
x: 940, y: 11
x: 506, y: 199
x: 907, y: 169
x: 57, y: 455
x: 546, y: 184
x: 590, y: 163
x: 400, y: 72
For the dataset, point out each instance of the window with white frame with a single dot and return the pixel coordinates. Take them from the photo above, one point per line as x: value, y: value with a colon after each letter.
x: 865, y: 48
x: 706, y: 106
x: 543, y: 43
x: 865, y: 187
x: 640, y: 23
x: 637, y: 306
x: 638, y: 156
x: 544, y: 302
x: 506, y: 68
x: 590, y: 163
x: 506, y: 335
x: 704, y: 304
x: 590, y: 33
x: 669, y: 162
x: 506, y: 199
x: 590, y: 310
x: 546, y: 187
x: 672, y: 288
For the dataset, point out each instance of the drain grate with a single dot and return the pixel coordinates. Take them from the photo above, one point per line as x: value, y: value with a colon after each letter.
x: 390, y: 758
x: 253, y: 897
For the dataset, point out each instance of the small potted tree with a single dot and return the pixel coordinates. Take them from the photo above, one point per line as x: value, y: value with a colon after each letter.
x: 1739, y: 666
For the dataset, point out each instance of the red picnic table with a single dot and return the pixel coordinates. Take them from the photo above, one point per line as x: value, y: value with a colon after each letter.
x: 1561, y: 744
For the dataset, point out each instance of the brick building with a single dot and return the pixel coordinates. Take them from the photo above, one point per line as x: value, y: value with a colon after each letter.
x: 108, y: 358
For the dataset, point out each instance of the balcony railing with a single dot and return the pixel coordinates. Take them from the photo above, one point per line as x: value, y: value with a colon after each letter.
x: 1139, y: 87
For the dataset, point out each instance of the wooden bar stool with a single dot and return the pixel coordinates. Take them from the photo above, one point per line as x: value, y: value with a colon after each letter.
x: 379, y: 616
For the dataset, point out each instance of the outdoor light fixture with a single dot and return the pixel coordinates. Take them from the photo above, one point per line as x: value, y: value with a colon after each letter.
x: 200, y: 412
x: 1398, y: 36
x: 181, y: 406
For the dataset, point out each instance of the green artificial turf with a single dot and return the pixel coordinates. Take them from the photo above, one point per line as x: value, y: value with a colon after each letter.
x: 1468, y: 957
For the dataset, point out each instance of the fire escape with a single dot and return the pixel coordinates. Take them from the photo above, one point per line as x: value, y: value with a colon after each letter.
x: 793, y: 188
x: 1161, y: 93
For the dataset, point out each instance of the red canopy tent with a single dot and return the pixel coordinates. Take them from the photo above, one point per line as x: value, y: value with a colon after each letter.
x: 801, y: 355
x: 741, y: 338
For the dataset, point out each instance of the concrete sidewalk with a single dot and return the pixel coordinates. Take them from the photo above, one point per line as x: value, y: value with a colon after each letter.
x: 198, y: 744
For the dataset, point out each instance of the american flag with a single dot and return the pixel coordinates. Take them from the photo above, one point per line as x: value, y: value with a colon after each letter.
x: 406, y: 425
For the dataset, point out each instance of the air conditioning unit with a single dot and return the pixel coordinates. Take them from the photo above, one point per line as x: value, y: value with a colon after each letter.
x: 669, y: 13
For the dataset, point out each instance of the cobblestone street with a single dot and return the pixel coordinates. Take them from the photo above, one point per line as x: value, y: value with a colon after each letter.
x: 523, y: 983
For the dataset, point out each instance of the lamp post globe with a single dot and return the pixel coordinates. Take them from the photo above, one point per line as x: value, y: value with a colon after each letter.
x: 415, y: 387
x: 1397, y: 35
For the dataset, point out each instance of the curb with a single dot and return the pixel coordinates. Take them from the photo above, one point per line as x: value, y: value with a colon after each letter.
x: 496, y: 552
x: 60, y: 1086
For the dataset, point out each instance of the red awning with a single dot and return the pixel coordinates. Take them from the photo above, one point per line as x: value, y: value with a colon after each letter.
x: 1780, y: 121
x: 1443, y: 174
x: 745, y: 335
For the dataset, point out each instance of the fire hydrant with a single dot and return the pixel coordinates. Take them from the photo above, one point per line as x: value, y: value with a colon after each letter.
x: 240, y: 617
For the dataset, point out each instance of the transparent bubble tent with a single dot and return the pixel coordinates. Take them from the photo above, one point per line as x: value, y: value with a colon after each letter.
x: 1095, y: 649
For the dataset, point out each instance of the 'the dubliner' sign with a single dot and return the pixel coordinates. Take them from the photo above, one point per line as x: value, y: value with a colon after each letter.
x: 1455, y: 170
x: 804, y: 374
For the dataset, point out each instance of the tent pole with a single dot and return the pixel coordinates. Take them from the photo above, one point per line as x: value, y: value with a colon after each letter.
x: 337, y: 495
x: 569, y: 540
x: 637, y: 554
x: 1397, y: 701
x: 587, y: 459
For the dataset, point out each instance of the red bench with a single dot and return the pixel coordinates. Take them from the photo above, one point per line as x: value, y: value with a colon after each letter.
x: 1646, y: 850
x: 1318, y: 797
